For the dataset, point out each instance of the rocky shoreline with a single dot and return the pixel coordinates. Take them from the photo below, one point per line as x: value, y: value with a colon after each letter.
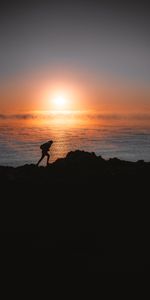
x: 92, y: 213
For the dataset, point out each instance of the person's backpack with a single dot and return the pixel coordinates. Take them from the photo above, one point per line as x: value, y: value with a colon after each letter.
x: 46, y: 146
x: 43, y: 146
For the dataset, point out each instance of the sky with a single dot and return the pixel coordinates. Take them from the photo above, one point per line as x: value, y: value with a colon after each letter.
x: 94, y: 53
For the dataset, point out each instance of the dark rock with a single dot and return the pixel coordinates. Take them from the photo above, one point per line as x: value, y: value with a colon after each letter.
x: 81, y: 207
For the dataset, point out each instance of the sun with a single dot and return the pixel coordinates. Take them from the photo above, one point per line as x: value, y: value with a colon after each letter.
x: 60, y: 101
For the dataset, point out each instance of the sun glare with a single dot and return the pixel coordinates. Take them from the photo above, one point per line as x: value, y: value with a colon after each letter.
x: 61, y: 98
x: 59, y: 101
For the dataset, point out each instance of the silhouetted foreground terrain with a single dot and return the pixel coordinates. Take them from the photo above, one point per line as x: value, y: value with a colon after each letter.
x: 91, y: 214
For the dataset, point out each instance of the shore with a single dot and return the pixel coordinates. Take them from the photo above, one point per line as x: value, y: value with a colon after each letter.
x: 89, y: 212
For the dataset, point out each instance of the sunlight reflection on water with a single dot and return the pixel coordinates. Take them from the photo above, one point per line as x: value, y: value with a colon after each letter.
x: 107, y: 135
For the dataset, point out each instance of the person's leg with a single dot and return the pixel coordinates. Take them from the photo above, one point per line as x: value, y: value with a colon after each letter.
x: 40, y: 159
x: 48, y: 156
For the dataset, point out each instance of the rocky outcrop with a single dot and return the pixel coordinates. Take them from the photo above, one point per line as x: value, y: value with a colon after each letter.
x: 82, y: 208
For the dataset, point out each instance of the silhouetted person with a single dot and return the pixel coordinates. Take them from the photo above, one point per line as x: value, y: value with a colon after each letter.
x: 45, y: 148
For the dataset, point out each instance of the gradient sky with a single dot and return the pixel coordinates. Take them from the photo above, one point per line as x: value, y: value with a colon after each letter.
x: 98, y: 50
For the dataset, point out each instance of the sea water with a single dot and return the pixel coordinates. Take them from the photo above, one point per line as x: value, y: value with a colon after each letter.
x: 109, y: 135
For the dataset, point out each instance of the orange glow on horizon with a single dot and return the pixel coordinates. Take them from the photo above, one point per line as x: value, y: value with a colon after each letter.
x: 70, y: 94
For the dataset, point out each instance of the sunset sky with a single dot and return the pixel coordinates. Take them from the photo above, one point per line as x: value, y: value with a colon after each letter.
x: 74, y: 55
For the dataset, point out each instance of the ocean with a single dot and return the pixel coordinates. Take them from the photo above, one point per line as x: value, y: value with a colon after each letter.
x: 123, y: 136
